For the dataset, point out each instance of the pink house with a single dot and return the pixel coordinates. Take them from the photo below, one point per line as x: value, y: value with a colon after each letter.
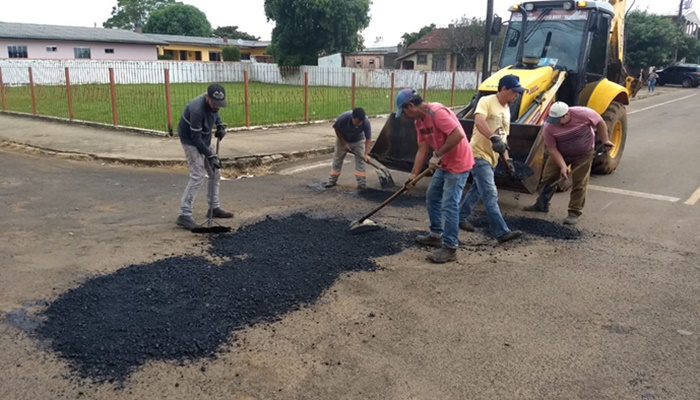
x: 69, y: 42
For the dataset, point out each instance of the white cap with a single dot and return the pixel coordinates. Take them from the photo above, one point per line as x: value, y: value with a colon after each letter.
x: 558, y: 110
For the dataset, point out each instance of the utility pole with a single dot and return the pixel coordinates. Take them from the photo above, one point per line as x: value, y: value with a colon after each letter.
x: 486, y: 67
x: 680, y: 24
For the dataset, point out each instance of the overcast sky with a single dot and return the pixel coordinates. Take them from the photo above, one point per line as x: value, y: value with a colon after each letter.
x: 390, y: 18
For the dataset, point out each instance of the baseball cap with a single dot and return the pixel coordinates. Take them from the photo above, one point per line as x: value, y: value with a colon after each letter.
x: 402, y: 98
x: 217, y: 95
x: 558, y: 110
x: 511, y: 82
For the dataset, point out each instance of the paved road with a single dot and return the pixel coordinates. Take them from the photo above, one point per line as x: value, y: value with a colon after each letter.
x: 612, y: 315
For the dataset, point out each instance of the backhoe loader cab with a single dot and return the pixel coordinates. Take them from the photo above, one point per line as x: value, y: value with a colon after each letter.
x: 562, y: 50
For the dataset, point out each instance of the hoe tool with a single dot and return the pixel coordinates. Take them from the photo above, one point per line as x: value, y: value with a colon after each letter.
x: 211, y: 226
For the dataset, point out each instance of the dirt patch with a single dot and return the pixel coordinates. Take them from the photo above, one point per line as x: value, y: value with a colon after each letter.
x: 185, y: 308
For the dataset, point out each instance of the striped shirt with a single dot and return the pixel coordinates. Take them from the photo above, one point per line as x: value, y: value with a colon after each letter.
x: 577, y: 137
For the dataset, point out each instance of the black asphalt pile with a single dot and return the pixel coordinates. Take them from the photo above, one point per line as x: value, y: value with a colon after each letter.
x: 532, y: 226
x: 521, y: 170
x: 379, y: 196
x: 185, y: 308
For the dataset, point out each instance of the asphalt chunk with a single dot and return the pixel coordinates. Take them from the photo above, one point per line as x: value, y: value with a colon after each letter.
x: 532, y: 226
x: 186, y: 308
x: 379, y: 196
x: 521, y: 171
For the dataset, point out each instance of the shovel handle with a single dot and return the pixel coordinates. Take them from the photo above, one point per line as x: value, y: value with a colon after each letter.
x: 398, y: 193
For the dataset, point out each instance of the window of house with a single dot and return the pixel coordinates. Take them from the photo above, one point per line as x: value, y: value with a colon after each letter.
x: 358, y: 63
x: 51, y: 49
x: 82, y: 52
x: 245, y: 56
x: 17, y: 51
x: 214, y: 56
x: 109, y: 51
x: 371, y: 62
x: 422, y: 59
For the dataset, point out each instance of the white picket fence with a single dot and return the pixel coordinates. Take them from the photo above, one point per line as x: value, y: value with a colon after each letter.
x: 52, y: 72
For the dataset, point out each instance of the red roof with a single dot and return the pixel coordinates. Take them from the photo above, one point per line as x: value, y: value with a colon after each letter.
x: 434, y: 40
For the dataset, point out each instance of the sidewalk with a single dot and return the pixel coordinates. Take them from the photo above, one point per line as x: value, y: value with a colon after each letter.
x: 241, y: 148
x: 238, y: 149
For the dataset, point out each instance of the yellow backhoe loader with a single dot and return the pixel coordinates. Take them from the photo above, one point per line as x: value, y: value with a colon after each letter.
x: 562, y: 50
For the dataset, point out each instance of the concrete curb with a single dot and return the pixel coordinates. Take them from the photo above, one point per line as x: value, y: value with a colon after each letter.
x: 242, y: 162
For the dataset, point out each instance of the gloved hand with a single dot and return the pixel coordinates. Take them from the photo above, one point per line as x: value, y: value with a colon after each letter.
x: 497, y: 144
x: 214, y: 160
x: 408, y: 183
x: 434, y: 162
x: 220, y: 131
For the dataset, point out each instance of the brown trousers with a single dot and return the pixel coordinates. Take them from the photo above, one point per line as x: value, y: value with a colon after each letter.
x: 579, y: 180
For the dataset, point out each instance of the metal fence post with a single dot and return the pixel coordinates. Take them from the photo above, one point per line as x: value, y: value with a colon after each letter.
x: 113, y: 92
x: 31, y: 89
x: 306, y: 96
x: 425, y: 86
x: 246, y: 98
x: 353, y: 91
x: 452, y: 94
x: 2, y: 92
x: 391, y: 97
x: 69, y: 95
x: 168, y: 101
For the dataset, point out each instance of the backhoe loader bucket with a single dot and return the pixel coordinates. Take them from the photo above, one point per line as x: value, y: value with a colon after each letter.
x: 396, y: 149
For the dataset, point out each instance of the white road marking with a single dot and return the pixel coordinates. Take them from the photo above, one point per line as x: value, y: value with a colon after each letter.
x: 302, y: 168
x: 662, y: 104
x: 694, y: 198
x: 634, y: 194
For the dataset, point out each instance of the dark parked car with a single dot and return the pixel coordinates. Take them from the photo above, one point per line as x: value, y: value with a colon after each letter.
x: 687, y: 75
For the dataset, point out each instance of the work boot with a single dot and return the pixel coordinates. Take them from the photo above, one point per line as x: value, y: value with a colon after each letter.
x: 570, y: 220
x: 187, y: 222
x: 464, y: 225
x: 220, y: 213
x: 329, y: 184
x: 429, y: 240
x: 445, y: 254
x: 536, y: 208
x: 509, y: 236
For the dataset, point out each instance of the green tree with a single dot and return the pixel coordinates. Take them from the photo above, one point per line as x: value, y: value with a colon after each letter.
x: 231, y: 53
x: 307, y: 29
x: 465, y: 38
x: 650, y: 39
x: 409, y: 38
x: 129, y: 13
x: 689, y: 49
x: 232, y: 32
x: 178, y: 19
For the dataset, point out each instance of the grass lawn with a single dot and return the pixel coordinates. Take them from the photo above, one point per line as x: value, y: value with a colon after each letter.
x: 144, y: 105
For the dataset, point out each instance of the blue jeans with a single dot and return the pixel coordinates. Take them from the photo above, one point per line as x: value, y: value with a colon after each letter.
x: 652, y: 84
x: 484, y: 188
x: 443, y: 197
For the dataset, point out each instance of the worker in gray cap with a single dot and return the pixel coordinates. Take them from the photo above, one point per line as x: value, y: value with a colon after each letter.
x: 198, y: 121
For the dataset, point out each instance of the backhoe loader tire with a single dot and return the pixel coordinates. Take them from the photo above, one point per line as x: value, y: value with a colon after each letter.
x: 615, y: 118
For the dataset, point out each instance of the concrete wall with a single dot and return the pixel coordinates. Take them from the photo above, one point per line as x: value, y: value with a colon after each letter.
x: 331, y: 61
x: 37, y: 49
x: 371, y: 61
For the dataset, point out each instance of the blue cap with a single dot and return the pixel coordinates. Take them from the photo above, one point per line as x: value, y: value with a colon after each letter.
x: 402, y: 98
x: 511, y: 82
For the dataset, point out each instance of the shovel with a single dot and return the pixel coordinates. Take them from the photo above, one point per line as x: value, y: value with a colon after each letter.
x: 544, y: 196
x: 383, y: 174
x: 211, y: 226
x: 365, y: 224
